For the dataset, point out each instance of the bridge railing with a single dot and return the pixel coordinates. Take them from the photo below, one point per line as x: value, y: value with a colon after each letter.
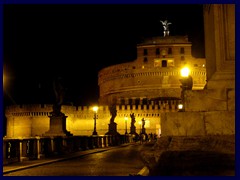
x: 20, y: 149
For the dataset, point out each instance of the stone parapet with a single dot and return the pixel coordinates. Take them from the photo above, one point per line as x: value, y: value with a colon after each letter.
x: 198, y: 123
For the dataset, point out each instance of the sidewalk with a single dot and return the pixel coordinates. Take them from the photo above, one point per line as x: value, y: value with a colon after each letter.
x: 32, y: 163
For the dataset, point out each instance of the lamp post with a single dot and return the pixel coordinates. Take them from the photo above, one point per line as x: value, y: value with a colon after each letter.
x: 95, y: 109
x: 126, y: 119
x: 187, y: 84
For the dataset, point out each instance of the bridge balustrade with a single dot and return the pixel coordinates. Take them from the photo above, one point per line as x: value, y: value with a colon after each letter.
x: 15, y: 150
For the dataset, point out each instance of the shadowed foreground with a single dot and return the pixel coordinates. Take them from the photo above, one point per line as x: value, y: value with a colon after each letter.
x: 194, y: 163
x: 192, y: 156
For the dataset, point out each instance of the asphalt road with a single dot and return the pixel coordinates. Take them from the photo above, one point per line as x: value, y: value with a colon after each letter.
x: 120, y: 161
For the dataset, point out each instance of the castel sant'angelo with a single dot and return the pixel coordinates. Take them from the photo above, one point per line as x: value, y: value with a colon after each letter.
x: 147, y: 86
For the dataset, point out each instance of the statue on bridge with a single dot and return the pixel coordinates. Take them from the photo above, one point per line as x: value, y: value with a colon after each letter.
x: 59, y: 94
x: 112, y: 126
x: 113, y: 112
x: 143, y: 127
x: 133, y: 127
x: 57, y: 125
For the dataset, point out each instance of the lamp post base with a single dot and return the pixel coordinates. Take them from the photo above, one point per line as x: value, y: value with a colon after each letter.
x: 94, y: 133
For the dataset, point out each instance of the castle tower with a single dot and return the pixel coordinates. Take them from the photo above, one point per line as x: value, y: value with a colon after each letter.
x: 154, y: 75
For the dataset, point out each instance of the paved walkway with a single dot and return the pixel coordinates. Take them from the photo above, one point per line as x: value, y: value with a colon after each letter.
x: 32, y: 163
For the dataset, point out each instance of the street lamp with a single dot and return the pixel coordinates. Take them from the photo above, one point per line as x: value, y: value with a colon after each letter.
x: 95, y: 109
x: 180, y: 107
x: 185, y: 72
x: 126, y: 119
x: 187, y: 84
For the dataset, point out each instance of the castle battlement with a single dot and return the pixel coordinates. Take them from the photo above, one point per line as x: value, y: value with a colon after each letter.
x: 46, y: 109
x: 167, y: 40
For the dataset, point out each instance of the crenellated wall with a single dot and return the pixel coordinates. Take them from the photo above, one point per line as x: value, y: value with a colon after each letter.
x: 32, y: 120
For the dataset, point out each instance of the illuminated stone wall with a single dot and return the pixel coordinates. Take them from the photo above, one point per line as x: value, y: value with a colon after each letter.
x: 32, y: 120
x: 215, y: 105
x: 148, y: 77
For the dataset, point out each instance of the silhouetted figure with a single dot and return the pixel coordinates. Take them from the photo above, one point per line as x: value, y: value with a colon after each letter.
x: 59, y: 95
x: 143, y: 128
x: 112, y: 126
x: 132, y: 128
x: 57, y: 125
x: 113, y: 112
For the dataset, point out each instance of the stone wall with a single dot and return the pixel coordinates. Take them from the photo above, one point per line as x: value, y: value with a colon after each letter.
x: 32, y: 120
x: 198, y: 123
x: 134, y: 83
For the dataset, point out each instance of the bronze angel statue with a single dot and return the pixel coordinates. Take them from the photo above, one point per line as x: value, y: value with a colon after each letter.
x: 165, y: 27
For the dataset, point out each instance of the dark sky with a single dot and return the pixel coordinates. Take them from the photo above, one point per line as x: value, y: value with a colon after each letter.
x: 74, y: 42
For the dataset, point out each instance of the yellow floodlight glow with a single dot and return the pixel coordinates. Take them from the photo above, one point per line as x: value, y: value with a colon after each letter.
x: 185, y: 72
x: 180, y: 106
x: 95, y: 108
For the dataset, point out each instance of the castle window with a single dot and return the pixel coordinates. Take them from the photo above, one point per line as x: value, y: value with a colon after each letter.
x: 157, y: 51
x: 145, y: 59
x: 170, y: 63
x: 144, y: 101
x: 130, y: 101
x: 182, y: 58
x: 164, y: 63
x: 164, y: 52
x: 137, y: 101
x: 122, y: 102
x: 169, y: 50
x: 145, y: 52
x: 182, y: 50
x: 157, y: 63
x: 195, y: 65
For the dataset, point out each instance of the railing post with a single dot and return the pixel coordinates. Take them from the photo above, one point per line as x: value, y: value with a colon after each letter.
x: 4, y: 151
x: 38, y: 147
x: 64, y: 144
x: 52, y: 145
x: 24, y: 149
x: 20, y: 150
x: 100, y: 145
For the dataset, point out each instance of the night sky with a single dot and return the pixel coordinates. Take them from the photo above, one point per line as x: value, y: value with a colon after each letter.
x: 74, y: 42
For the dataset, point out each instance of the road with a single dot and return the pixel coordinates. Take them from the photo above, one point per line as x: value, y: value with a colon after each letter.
x: 120, y: 161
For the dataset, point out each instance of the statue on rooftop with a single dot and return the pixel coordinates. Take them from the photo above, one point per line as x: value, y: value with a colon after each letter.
x: 165, y: 27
